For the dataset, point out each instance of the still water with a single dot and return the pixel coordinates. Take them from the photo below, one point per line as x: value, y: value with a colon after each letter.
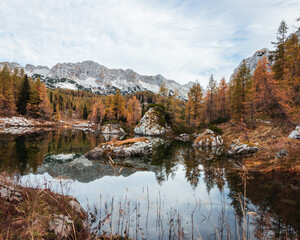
x: 178, y: 193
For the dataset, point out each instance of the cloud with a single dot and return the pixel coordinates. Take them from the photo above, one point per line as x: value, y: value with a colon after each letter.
x: 182, y: 40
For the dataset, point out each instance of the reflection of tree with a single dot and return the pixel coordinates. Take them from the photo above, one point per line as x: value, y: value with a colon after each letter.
x: 163, y: 157
x: 276, y: 206
x: 20, y: 153
x: 192, y: 170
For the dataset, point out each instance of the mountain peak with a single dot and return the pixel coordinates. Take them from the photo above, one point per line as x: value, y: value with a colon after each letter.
x: 91, y: 76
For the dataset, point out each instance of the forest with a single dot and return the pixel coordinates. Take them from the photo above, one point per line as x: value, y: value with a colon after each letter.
x: 271, y: 92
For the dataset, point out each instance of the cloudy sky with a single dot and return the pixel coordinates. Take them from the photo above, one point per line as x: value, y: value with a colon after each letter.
x: 183, y: 40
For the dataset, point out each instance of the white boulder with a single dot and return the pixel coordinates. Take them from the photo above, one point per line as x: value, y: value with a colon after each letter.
x: 120, y: 149
x: 295, y: 134
x: 239, y: 149
x: 149, y: 125
x: 208, y: 139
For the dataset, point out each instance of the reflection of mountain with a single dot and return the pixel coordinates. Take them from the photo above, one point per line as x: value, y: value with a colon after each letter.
x: 84, y: 170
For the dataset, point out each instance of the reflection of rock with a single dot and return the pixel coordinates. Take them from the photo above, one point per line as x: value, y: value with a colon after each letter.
x: 114, y: 129
x: 238, y: 149
x: 119, y: 149
x: 208, y: 139
x: 110, y: 137
x: 295, y: 134
x: 61, y: 158
x: 183, y: 137
x: 84, y: 170
x: 217, y: 150
x: 150, y: 125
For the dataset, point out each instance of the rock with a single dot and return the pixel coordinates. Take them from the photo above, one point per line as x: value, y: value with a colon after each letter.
x: 150, y: 126
x: 10, y: 193
x: 295, y: 134
x: 61, y: 225
x: 112, y: 129
x: 76, y: 206
x: 183, y: 137
x: 239, y: 149
x: 127, y: 148
x: 253, y: 61
x: 208, y: 139
x: 282, y: 153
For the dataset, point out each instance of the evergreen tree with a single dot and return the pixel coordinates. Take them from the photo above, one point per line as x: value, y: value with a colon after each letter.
x: 240, y: 87
x: 24, y: 96
x: 279, y: 53
x: 118, y: 105
x: 6, y: 92
x: 85, y: 113
x: 211, y: 99
x: 34, y: 99
x: 194, y: 106
x: 163, y: 91
x: 291, y: 77
x: 267, y: 98
x: 222, y: 100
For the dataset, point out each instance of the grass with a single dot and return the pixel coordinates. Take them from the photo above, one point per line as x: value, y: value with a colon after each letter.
x: 129, y: 141
x: 29, y: 218
x: 271, y: 138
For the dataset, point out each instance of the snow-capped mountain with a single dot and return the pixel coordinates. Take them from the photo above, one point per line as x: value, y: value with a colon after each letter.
x: 91, y: 76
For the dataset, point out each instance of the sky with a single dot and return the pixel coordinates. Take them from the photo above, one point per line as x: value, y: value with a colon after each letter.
x: 183, y: 40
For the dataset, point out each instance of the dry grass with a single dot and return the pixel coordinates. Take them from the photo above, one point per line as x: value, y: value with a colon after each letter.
x: 116, y: 143
x: 271, y: 138
x: 30, y: 217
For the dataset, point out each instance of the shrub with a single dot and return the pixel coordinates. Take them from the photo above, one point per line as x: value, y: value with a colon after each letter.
x: 220, y: 120
x: 215, y: 129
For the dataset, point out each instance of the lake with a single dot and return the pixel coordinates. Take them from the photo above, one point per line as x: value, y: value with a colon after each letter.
x: 178, y: 193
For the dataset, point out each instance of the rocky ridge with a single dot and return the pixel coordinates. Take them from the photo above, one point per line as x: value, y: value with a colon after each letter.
x: 91, y: 76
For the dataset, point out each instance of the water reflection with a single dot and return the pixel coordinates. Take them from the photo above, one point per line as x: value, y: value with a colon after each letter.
x: 199, y: 185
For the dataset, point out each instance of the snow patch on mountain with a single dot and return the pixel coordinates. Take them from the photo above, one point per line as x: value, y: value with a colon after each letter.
x: 91, y: 76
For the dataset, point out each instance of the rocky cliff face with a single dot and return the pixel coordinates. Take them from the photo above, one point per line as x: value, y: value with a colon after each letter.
x: 258, y: 55
x: 89, y: 75
x: 253, y: 61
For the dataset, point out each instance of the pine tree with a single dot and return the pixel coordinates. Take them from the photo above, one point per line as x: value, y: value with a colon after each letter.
x: 240, y: 87
x: 109, y: 112
x: 85, y: 113
x: 24, y: 96
x: 134, y: 111
x: 291, y: 77
x: 211, y: 99
x: 194, y: 106
x: 34, y: 99
x: 6, y: 92
x: 163, y: 91
x: 57, y: 116
x: 279, y: 53
x: 118, y: 105
x: 98, y: 111
x: 44, y: 109
x: 267, y: 99
x: 222, y: 100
